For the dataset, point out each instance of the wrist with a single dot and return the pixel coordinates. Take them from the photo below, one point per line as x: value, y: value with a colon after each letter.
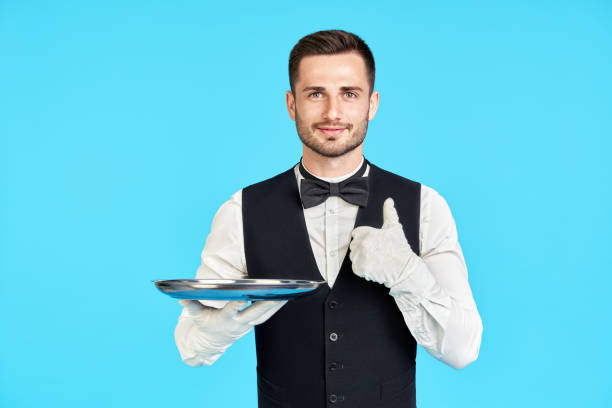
x: 408, y: 262
x: 417, y: 279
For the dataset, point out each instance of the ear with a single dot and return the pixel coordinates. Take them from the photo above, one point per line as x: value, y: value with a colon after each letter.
x: 290, y: 104
x: 373, y: 105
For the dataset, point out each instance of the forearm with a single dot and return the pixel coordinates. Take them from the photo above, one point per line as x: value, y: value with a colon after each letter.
x: 450, y: 329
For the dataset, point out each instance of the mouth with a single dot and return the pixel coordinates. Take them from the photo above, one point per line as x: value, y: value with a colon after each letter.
x: 331, y: 131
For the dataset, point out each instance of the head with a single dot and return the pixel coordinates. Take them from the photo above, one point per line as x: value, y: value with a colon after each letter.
x: 332, y: 95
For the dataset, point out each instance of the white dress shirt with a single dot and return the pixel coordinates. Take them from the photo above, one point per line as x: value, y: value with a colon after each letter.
x: 436, y: 300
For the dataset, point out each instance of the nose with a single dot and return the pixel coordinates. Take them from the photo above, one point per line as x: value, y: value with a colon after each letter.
x: 332, y: 110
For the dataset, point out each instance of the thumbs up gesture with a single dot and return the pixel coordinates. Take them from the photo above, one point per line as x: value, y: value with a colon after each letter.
x: 381, y: 254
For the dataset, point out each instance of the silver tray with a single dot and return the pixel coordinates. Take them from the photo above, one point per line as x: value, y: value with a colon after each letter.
x: 237, y: 289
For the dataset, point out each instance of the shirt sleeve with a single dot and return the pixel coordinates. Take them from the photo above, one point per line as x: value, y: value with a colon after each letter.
x: 435, y: 298
x: 222, y: 258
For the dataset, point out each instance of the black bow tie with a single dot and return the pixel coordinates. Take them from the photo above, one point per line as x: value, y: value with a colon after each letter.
x: 353, y: 190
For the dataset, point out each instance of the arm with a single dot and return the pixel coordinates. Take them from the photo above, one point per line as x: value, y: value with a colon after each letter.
x: 435, y: 297
x: 223, y: 254
x: 432, y: 291
x: 222, y: 258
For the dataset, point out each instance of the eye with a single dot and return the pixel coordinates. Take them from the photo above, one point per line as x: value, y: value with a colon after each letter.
x: 315, y: 95
x: 351, y: 95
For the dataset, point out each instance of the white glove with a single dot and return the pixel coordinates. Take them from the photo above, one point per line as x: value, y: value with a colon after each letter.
x: 381, y: 254
x: 217, y: 329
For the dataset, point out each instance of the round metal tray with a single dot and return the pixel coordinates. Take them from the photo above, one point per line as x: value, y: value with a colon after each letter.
x: 237, y: 289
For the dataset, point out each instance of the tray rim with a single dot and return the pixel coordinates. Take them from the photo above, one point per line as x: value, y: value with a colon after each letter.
x: 170, y: 286
x: 230, y: 284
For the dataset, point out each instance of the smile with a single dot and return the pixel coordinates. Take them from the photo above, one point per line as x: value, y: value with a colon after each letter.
x: 332, y: 131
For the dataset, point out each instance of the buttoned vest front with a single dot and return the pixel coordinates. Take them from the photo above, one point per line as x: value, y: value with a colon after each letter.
x: 348, y: 346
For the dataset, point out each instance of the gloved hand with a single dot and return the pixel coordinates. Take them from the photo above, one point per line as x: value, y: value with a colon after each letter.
x: 381, y: 254
x: 216, y: 329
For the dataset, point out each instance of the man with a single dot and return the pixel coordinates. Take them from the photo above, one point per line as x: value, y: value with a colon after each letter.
x: 387, y: 247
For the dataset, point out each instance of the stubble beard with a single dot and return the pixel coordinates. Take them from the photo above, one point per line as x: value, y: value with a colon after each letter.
x: 331, y: 149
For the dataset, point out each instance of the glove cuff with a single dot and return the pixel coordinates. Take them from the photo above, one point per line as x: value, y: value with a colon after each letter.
x: 404, y: 276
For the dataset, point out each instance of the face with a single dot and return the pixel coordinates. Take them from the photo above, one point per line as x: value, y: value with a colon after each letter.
x: 332, y: 105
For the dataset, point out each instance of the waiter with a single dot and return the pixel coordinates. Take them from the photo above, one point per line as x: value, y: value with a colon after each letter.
x: 386, y: 246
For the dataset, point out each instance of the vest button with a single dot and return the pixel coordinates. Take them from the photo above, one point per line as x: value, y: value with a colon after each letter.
x: 333, y: 336
x: 332, y: 305
x: 333, y: 398
x: 335, y: 366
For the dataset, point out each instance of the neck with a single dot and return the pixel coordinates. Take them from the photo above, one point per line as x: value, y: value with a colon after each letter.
x: 322, y: 166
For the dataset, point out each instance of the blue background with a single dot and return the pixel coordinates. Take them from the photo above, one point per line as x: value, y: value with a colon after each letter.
x: 125, y: 125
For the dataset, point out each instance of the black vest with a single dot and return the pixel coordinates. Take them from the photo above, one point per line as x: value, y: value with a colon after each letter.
x: 342, y: 347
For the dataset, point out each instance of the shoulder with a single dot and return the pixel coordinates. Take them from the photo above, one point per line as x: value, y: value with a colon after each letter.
x: 393, y: 177
x: 229, y: 210
x: 403, y: 190
x: 433, y: 204
x: 272, y: 181
x: 272, y: 190
x: 234, y: 200
x: 237, y: 198
x: 437, y: 224
x: 430, y: 198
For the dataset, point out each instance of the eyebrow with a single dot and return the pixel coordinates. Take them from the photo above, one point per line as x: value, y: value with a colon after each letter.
x: 322, y: 88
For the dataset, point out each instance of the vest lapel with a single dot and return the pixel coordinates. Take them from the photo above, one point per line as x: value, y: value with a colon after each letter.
x: 303, y: 237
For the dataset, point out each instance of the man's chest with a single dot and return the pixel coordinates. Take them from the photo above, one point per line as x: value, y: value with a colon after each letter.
x: 329, y: 226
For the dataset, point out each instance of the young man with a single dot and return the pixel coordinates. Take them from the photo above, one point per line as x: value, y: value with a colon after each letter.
x: 387, y: 247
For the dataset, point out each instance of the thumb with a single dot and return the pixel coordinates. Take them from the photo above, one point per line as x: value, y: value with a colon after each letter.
x: 234, y: 306
x: 260, y: 311
x: 389, y: 214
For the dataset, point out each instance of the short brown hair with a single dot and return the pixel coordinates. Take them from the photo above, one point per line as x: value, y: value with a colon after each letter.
x: 329, y: 42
